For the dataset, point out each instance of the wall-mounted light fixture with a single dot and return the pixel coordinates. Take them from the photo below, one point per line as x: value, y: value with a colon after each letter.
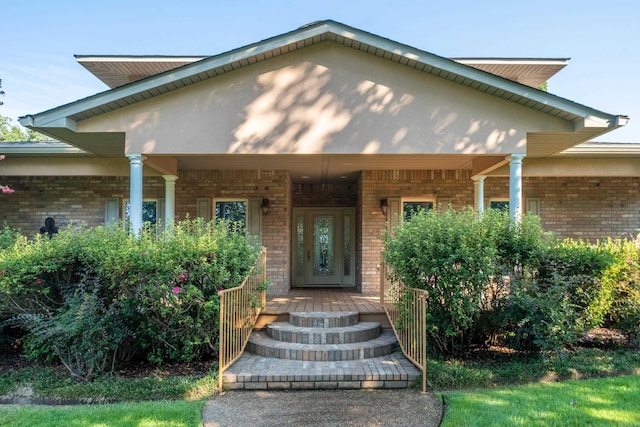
x: 384, y: 207
x: 265, y: 206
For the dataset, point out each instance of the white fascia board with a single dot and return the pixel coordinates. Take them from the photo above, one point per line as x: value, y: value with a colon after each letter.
x: 513, y: 61
x: 40, y: 147
x: 141, y: 58
x: 599, y: 149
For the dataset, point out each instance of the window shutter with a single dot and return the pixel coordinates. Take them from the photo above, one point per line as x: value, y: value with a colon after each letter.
x: 111, y: 211
x: 394, y: 213
x: 203, y: 208
x: 160, y: 205
x: 533, y: 206
x: 254, y: 218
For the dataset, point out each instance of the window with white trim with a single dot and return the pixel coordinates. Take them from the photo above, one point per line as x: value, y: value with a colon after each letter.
x: 499, y: 204
x: 234, y: 210
x: 412, y: 205
x: 151, y: 212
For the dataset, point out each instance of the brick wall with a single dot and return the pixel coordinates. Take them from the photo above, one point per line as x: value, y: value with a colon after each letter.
x: 82, y: 199
x: 276, y: 225
x: 588, y: 208
x: 68, y: 199
x: 454, y: 187
x: 583, y: 208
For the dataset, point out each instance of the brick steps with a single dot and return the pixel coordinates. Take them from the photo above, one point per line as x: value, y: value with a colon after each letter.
x: 284, y: 331
x: 252, y: 372
x: 262, y: 345
x: 321, y: 350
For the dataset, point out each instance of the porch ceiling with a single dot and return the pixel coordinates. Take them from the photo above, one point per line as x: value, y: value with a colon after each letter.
x: 327, y: 168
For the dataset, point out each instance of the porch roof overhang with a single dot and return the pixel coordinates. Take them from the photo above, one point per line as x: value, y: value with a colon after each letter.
x: 60, y: 123
x: 588, y: 159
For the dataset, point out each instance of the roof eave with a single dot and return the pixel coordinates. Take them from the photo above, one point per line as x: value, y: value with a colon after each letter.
x: 60, y: 116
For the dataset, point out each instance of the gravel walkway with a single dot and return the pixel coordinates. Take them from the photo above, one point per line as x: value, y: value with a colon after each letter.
x: 323, y: 408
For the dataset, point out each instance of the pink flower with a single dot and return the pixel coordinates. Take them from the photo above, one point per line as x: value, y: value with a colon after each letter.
x: 38, y: 281
x: 181, y: 278
x: 176, y: 290
x: 6, y: 190
x: 143, y: 253
x: 220, y: 288
x: 3, y: 272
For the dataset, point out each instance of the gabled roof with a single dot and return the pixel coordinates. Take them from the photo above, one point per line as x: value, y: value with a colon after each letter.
x: 118, y: 70
x: 65, y: 117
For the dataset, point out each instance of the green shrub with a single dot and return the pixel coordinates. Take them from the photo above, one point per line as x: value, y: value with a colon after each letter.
x: 489, y: 279
x: 8, y: 236
x: 85, y: 334
x: 569, y: 293
x: 449, y: 254
x: 152, y: 296
x: 625, y: 275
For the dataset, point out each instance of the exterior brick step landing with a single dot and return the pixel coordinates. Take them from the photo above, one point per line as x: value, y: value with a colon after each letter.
x: 251, y: 372
x: 321, y: 351
x: 363, y: 331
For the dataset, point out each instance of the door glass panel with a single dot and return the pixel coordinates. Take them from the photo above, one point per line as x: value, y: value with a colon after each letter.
x: 347, y: 245
x: 300, y: 246
x: 323, y: 235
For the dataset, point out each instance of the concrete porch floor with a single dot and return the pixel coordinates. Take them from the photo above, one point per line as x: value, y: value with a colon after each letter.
x: 322, y: 299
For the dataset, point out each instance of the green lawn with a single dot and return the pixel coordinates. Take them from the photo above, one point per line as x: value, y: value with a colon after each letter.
x: 595, y: 402
x: 143, y: 414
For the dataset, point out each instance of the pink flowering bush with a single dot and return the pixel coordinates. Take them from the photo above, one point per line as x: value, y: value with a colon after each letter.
x: 5, y: 188
x: 151, y: 297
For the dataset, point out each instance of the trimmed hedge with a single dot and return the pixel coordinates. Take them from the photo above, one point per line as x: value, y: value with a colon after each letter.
x: 491, y: 281
x: 98, y: 296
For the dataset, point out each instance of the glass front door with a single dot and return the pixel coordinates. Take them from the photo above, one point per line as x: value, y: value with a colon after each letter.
x: 323, y: 247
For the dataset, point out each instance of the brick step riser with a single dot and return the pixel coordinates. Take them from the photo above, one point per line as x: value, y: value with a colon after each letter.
x: 319, y: 385
x: 320, y: 355
x: 328, y: 337
x: 324, y: 320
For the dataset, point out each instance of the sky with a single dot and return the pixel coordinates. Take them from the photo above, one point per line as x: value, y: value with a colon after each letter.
x: 38, y: 39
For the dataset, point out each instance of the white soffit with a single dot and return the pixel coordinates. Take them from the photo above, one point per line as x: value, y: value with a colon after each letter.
x: 528, y: 71
x: 116, y: 71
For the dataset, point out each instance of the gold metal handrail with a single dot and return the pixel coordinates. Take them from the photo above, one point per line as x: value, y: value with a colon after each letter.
x: 239, y: 310
x: 406, y: 309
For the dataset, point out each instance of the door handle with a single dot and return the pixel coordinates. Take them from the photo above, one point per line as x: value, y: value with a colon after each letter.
x: 308, y: 255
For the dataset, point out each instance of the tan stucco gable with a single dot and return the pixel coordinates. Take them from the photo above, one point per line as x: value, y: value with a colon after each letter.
x: 326, y: 99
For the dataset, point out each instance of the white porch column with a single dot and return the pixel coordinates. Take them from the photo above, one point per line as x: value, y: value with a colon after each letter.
x: 169, y: 199
x: 135, y: 192
x: 515, y: 186
x: 478, y: 193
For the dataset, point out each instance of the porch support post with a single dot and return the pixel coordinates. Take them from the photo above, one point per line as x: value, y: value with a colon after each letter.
x: 515, y: 187
x: 135, y: 192
x: 169, y: 199
x: 478, y: 193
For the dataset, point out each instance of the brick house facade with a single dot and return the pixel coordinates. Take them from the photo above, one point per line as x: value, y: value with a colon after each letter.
x: 322, y: 125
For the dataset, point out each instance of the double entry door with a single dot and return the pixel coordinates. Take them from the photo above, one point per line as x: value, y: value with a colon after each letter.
x: 323, y: 247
